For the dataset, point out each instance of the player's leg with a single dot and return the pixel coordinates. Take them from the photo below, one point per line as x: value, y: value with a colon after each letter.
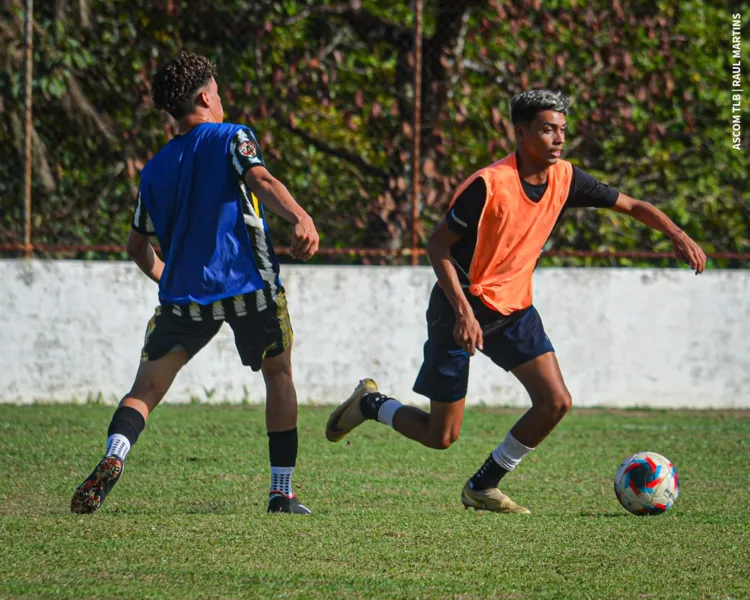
x: 264, y: 341
x: 550, y: 399
x: 436, y: 429
x: 170, y: 343
x: 443, y: 379
x: 152, y: 381
x: 281, y: 424
x: 281, y: 395
x: 550, y: 402
x: 525, y: 350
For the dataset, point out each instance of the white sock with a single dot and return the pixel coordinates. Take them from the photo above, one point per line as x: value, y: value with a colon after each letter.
x: 510, y: 452
x: 281, y: 480
x: 117, y: 445
x: 388, y: 411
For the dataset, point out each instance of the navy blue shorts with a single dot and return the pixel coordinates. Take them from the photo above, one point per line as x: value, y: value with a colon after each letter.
x: 508, y: 341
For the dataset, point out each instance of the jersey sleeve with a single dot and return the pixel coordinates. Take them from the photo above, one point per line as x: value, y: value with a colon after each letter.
x: 141, y: 219
x: 244, y: 152
x: 463, y: 216
x: 588, y: 192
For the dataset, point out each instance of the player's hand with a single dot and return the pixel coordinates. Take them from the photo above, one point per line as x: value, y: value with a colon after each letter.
x: 468, y: 333
x: 689, y: 252
x: 306, y: 239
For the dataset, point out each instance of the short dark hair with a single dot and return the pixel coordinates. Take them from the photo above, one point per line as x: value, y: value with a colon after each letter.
x: 526, y: 106
x: 175, y: 86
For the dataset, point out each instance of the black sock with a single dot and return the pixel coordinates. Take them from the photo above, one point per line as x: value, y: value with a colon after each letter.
x: 127, y: 421
x: 370, y: 404
x: 488, y: 475
x: 282, y: 448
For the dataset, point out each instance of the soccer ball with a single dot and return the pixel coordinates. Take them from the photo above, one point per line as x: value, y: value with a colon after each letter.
x: 647, y: 484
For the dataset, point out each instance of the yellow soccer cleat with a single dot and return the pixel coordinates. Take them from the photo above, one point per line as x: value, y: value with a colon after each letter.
x: 348, y: 415
x: 492, y: 499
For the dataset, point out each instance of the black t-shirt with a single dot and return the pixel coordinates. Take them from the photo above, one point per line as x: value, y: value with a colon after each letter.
x: 463, y: 217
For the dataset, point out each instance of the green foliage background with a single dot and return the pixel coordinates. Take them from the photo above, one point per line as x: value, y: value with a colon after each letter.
x: 328, y: 88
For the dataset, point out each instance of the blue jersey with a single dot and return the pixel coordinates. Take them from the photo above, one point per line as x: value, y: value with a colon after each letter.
x: 211, y: 228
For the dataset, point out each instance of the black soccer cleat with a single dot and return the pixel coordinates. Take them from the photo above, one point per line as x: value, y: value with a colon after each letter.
x: 280, y: 503
x: 90, y: 495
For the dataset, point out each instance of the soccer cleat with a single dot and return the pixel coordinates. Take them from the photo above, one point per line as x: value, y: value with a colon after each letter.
x: 348, y: 415
x: 280, y: 503
x: 492, y: 499
x: 90, y: 495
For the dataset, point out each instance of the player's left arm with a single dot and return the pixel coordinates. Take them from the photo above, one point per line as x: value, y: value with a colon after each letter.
x: 250, y: 168
x: 687, y: 250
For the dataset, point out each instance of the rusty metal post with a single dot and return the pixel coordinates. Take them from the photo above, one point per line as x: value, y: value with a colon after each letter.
x: 417, y: 130
x: 28, y: 66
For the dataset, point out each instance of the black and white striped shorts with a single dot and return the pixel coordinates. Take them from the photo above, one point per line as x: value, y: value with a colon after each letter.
x: 259, y: 320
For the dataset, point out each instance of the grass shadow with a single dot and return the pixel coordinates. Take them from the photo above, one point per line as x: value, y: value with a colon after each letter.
x: 605, y: 515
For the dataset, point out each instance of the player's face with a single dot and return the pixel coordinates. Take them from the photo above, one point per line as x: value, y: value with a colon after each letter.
x: 543, y: 139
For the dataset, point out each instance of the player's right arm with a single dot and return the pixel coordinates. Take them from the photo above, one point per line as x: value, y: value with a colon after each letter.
x: 139, y: 246
x: 467, y: 331
x: 451, y: 264
x: 143, y: 254
x: 274, y: 196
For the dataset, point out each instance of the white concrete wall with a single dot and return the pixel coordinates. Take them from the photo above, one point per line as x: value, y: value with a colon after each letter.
x: 624, y: 337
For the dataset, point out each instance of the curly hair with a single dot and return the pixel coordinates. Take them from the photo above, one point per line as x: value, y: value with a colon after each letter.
x: 524, y: 107
x: 175, y: 86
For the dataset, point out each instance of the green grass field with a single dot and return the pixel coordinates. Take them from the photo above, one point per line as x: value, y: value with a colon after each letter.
x: 187, y: 519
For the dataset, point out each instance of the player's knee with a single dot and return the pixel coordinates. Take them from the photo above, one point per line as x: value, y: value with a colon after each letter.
x: 443, y: 439
x: 278, y: 366
x: 556, y: 404
x: 560, y: 404
x: 277, y: 373
x: 440, y: 443
x: 147, y: 391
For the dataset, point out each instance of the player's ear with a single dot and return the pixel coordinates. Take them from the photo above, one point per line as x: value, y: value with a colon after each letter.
x: 202, y: 99
x: 520, y: 131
